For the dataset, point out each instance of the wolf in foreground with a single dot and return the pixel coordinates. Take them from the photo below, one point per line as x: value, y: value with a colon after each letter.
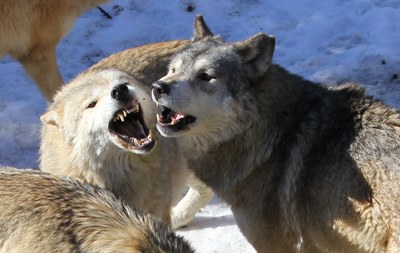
x: 30, y: 31
x: 147, y: 64
x: 100, y: 129
x: 40, y: 212
x: 305, y: 167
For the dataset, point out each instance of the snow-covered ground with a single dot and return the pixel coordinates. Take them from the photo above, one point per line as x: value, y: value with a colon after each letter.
x: 325, y: 41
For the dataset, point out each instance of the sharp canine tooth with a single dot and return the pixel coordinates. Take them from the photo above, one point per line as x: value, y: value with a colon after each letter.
x: 158, y: 117
x: 121, y: 117
x: 125, y: 113
x: 150, y: 136
x: 173, y: 122
x: 137, y: 142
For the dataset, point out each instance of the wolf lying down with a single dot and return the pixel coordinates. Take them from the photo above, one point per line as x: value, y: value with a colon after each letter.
x: 305, y: 167
x: 44, y: 213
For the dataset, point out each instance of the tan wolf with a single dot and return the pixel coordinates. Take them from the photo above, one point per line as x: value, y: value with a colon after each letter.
x: 30, y: 31
x: 40, y: 212
x: 305, y: 167
x: 146, y: 63
x: 99, y: 129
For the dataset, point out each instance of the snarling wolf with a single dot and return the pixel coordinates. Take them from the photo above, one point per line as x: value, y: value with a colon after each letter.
x: 40, y: 212
x: 148, y: 63
x: 30, y: 31
x: 100, y: 129
x: 306, y: 167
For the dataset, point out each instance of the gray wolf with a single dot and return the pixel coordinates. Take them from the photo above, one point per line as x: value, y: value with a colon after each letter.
x: 100, y: 129
x: 148, y: 63
x: 30, y: 31
x: 306, y: 167
x: 40, y: 212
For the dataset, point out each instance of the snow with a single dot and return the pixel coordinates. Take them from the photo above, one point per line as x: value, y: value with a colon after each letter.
x: 325, y: 41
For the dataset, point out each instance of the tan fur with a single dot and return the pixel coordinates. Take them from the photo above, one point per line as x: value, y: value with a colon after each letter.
x: 305, y: 167
x: 197, y: 196
x: 43, y: 213
x: 146, y: 63
x: 30, y: 31
x: 76, y: 142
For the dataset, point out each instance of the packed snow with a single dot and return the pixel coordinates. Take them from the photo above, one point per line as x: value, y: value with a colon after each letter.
x: 325, y: 41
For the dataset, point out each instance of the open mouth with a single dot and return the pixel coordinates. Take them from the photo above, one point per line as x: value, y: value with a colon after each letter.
x: 171, y: 119
x: 130, y: 129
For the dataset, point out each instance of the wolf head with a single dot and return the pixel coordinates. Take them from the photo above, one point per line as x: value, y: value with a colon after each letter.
x: 207, y: 88
x: 101, y: 112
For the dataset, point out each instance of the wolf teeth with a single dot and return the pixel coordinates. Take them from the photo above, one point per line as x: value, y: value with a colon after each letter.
x: 136, y: 108
x: 137, y: 142
x: 121, y: 115
x: 147, y: 139
x: 173, y: 122
x: 150, y: 136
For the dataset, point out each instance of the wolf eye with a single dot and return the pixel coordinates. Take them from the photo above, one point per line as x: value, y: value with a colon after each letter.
x: 205, y: 77
x: 91, y: 105
x: 172, y: 70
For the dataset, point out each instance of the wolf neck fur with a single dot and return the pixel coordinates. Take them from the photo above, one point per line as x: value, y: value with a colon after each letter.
x: 281, y: 118
x: 249, y: 133
x: 117, y: 164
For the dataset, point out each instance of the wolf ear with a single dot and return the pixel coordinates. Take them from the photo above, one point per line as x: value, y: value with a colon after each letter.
x: 256, y: 53
x: 50, y: 117
x: 201, y: 30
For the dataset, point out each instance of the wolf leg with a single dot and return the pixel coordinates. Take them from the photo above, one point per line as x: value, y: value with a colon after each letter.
x: 41, y: 65
x: 197, y: 197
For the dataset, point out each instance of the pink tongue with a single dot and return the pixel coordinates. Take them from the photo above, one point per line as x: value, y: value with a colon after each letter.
x: 178, y: 116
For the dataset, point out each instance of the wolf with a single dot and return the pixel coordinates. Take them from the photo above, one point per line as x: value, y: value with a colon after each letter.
x: 148, y: 63
x: 40, y: 212
x: 30, y: 31
x: 306, y: 167
x: 100, y: 129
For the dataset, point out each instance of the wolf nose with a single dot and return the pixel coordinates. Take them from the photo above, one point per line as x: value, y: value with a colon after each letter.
x: 120, y: 92
x: 160, y: 88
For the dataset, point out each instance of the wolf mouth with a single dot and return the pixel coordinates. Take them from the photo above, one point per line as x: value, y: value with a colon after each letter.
x: 175, y: 120
x: 129, y: 127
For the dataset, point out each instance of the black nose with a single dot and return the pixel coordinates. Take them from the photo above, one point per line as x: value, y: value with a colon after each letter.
x: 160, y: 88
x: 120, y: 92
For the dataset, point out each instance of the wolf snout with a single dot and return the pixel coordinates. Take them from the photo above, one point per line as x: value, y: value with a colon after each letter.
x: 121, y: 93
x: 159, y: 88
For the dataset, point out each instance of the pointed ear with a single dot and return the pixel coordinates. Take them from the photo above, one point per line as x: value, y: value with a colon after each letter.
x: 50, y: 117
x: 201, y: 30
x: 256, y: 53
